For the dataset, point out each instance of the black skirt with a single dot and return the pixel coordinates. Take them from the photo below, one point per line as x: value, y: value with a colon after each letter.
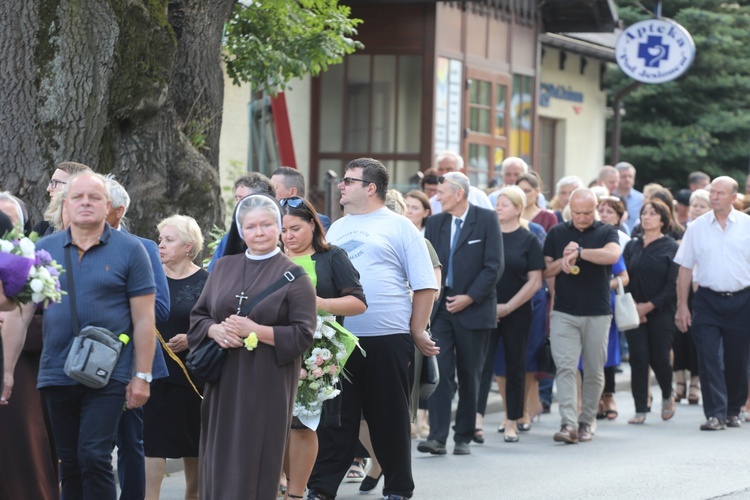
x: 171, y: 421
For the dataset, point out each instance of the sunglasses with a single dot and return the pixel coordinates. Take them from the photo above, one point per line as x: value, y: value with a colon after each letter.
x: 294, y: 202
x: 348, y: 181
x: 443, y: 178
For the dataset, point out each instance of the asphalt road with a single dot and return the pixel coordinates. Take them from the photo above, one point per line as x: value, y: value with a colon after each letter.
x: 664, y: 460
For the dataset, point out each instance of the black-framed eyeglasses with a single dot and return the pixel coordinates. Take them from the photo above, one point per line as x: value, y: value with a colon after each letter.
x: 292, y: 201
x: 54, y: 183
x: 348, y: 181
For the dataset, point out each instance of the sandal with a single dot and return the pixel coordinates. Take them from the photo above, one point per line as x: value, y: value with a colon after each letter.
x: 638, y: 419
x: 667, y: 408
x: 695, y: 391
x: 679, y: 391
x: 478, y: 436
x: 610, y: 408
x: 600, y: 413
x: 356, y: 472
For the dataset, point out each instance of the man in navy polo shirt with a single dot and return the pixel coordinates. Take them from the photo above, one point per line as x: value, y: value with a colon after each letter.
x: 114, y: 288
x: 579, y: 254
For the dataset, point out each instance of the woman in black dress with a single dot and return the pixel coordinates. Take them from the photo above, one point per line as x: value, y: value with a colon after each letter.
x: 653, y: 279
x: 521, y: 279
x: 339, y: 293
x: 172, y: 415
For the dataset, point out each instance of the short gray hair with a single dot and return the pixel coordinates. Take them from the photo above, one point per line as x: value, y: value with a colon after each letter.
x: 119, y: 197
x: 514, y: 160
x: 623, y: 165
x: 187, y: 230
x: 700, y: 194
x: 88, y: 173
x: 570, y: 180
x: 458, y: 181
x: 450, y: 154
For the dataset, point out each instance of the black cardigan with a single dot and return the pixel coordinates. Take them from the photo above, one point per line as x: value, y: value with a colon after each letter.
x: 653, y: 272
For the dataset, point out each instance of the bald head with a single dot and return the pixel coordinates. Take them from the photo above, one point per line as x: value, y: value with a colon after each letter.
x: 722, y: 195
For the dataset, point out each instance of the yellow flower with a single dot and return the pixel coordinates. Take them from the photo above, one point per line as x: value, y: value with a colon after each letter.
x: 251, y: 341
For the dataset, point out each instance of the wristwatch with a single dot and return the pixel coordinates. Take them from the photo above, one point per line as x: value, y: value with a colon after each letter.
x: 144, y: 376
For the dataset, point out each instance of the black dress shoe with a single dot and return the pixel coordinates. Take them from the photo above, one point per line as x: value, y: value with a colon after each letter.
x: 432, y: 446
x: 713, y: 424
x: 734, y: 421
x: 461, y: 449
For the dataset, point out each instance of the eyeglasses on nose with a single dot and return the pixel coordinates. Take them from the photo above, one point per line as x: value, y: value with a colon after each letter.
x: 292, y: 201
x: 54, y: 183
x: 348, y: 181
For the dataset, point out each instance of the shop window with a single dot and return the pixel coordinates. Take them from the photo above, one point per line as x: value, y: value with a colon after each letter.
x: 521, y: 117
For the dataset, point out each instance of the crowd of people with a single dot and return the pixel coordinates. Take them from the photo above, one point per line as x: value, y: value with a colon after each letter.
x: 486, y: 282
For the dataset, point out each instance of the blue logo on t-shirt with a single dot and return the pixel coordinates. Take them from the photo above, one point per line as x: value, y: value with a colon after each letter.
x: 653, y: 52
x: 351, y: 245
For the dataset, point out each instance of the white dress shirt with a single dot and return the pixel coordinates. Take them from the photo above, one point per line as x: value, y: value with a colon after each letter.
x: 719, y: 258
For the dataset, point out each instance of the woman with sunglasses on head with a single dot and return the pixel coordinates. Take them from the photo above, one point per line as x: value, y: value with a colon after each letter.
x: 339, y: 292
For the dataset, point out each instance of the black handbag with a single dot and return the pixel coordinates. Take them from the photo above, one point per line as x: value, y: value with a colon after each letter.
x: 429, y: 377
x: 546, y: 361
x: 207, y: 359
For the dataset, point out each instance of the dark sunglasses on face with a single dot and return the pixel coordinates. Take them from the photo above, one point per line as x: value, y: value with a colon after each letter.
x: 348, y: 181
x: 294, y: 202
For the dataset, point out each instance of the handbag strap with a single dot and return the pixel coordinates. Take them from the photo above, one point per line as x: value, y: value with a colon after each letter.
x: 71, y: 291
x: 620, y: 288
x: 288, y: 277
x: 177, y: 360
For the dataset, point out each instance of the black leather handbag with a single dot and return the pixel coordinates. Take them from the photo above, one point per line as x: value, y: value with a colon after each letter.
x: 546, y: 361
x: 429, y: 378
x: 207, y: 359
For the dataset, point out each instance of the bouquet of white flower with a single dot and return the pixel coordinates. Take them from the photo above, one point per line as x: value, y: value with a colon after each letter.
x: 28, y: 274
x: 321, y: 366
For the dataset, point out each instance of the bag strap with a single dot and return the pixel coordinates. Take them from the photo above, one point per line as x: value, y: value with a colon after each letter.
x: 72, y: 291
x: 172, y: 355
x: 620, y: 289
x: 288, y: 277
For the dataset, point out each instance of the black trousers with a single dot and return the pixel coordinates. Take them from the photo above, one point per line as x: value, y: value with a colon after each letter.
x: 462, y: 355
x: 513, y: 332
x: 378, y: 388
x: 721, y: 319
x: 650, y: 344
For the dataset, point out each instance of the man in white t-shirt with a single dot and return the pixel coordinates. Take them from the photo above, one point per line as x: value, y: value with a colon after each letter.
x: 392, y: 260
x: 446, y: 162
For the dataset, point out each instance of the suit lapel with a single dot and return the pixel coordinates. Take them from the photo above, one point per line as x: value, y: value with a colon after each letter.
x: 468, y: 226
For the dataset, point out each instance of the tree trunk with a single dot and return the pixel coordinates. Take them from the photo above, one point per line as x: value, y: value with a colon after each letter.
x: 111, y: 83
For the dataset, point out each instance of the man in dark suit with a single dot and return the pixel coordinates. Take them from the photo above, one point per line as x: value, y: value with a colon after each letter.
x: 469, y: 244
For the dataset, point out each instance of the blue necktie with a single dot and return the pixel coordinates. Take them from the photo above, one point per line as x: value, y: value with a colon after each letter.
x: 449, y: 277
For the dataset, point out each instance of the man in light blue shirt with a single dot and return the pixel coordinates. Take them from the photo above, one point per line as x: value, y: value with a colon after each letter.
x: 631, y: 197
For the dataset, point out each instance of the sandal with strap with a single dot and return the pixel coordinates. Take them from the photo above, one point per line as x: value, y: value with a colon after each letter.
x: 356, y: 472
x: 610, y: 407
x: 638, y: 419
x: 680, y: 390
x: 694, y: 396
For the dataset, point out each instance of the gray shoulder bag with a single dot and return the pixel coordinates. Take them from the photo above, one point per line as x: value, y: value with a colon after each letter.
x: 93, y: 356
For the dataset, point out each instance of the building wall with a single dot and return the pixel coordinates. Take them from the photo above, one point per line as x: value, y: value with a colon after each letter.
x: 581, y: 126
x: 235, y: 130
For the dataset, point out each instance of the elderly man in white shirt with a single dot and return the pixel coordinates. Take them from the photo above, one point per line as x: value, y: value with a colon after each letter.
x: 448, y: 161
x: 715, y: 253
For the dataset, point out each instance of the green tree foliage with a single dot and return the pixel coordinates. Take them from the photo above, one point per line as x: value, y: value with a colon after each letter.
x: 699, y: 121
x: 270, y: 42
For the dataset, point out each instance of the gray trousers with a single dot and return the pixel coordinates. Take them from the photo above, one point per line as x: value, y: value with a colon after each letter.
x: 573, y: 337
